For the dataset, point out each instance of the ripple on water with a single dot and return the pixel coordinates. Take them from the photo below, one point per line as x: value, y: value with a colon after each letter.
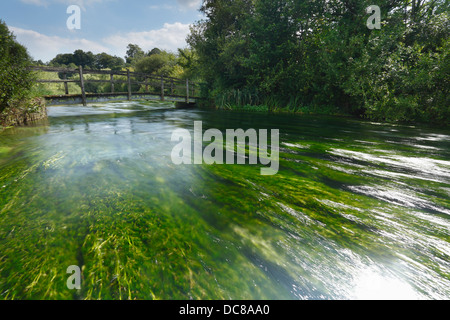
x: 398, y: 197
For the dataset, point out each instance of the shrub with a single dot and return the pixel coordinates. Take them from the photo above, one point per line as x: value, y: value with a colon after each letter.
x: 16, y: 79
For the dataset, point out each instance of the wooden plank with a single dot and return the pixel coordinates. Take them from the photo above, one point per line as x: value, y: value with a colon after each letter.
x: 129, y: 84
x: 90, y: 71
x: 66, y: 87
x: 112, y: 82
x: 108, y: 94
x: 162, y: 88
x: 54, y: 69
x: 115, y: 81
x: 98, y: 81
x: 187, y: 90
x: 107, y: 72
x: 83, y: 92
x: 56, y: 81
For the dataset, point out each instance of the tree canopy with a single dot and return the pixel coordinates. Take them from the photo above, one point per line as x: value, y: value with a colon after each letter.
x: 15, y: 78
x: 321, y: 53
x: 89, y: 60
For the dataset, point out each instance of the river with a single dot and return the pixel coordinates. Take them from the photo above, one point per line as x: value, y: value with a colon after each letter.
x: 357, y: 210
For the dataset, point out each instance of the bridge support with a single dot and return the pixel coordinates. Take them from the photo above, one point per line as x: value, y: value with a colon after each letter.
x: 187, y: 90
x: 162, y: 88
x: 112, y: 82
x: 83, y: 91
x: 66, y: 86
x: 129, y: 84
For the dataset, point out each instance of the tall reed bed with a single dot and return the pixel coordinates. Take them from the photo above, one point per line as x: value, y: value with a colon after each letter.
x: 251, y: 100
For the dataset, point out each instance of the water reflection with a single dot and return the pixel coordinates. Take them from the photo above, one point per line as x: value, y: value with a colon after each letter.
x: 375, y: 285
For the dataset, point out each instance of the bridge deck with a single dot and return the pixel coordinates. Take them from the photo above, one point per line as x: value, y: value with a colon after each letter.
x: 73, y: 99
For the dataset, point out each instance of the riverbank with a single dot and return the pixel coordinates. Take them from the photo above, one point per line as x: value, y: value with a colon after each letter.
x: 327, y: 111
x: 24, y: 113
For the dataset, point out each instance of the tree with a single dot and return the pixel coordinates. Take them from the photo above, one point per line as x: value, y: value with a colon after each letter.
x: 154, y: 51
x: 273, y: 47
x: 88, y: 60
x: 15, y: 78
x: 106, y: 61
x: 159, y: 64
x: 38, y: 63
x: 220, y: 42
x: 62, y: 59
x: 188, y: 61
x: 403, y: 74
x: 134, y: 53
x: 321, y: 53
x: 84, y: 59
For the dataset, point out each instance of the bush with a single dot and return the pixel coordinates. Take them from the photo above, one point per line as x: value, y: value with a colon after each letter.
x: 16, y: 79
x: 162, y: 64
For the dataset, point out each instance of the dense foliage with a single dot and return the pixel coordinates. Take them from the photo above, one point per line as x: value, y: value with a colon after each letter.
x: 320, y: 55
x: 158, y: 62
x: 89, y: 60
x: 161, y: 62
x: 15, y: 79
x: 155, y: 61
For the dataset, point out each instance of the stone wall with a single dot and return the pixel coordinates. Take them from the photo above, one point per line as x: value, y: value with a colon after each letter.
x: 36, y: 110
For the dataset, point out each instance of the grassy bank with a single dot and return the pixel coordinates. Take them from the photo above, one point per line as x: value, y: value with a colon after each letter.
x: 321, y: 111
x: 311, y: 110
x: 242, y: 100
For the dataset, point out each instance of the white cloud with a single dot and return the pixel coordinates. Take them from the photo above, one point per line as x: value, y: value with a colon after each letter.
x: 186, y: 4
x: 45, y: 48
x: 170, y: 37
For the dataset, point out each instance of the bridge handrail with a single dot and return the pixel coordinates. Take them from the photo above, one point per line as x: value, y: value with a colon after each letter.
x: 106, y: 72
x: 171, y: 82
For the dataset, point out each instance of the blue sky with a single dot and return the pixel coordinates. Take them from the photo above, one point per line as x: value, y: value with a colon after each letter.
x: 106, y: 25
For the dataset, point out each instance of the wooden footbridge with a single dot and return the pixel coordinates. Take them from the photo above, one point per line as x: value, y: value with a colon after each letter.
x: 138, y: 86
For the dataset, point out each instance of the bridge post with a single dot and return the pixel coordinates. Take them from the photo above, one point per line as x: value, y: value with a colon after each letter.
x: 187, y: 90
x: 83, y: 92
x: 162, y: 88
x: 112, y: 82
x: 129, y: 84
x: 66, y: 87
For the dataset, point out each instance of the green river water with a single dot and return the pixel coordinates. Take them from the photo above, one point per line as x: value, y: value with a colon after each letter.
x: 358, y: 210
